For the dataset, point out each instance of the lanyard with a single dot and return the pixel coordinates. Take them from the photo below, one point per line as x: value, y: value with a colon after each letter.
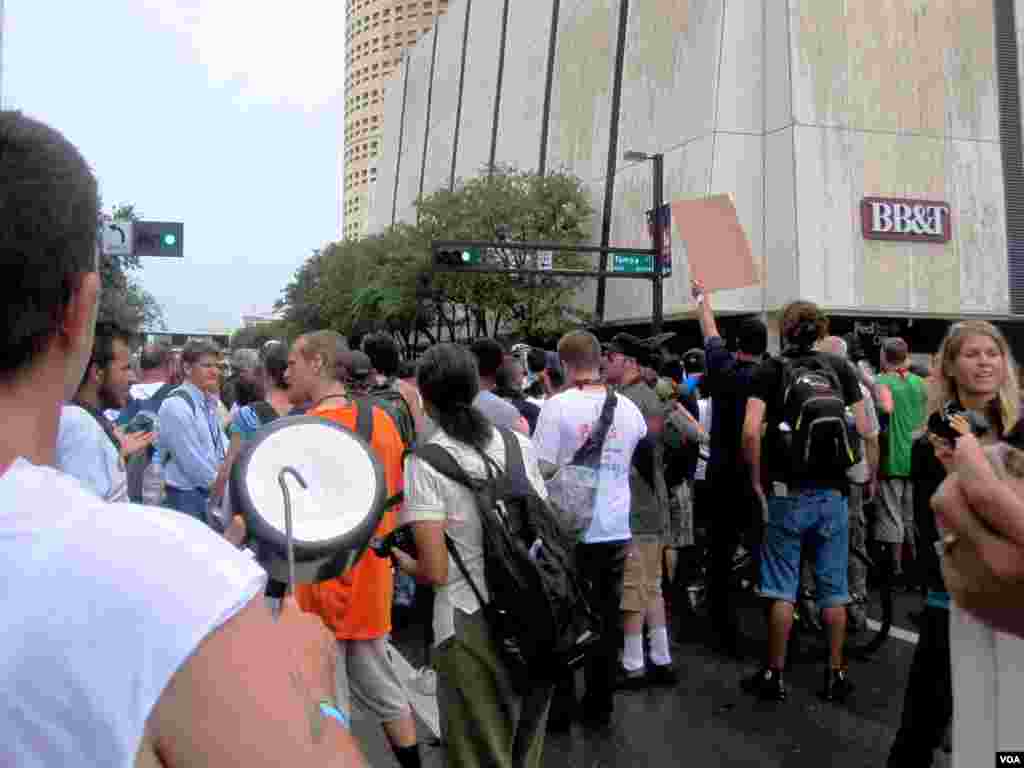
x: 215, y: 436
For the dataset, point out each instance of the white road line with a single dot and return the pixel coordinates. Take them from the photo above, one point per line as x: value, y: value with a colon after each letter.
x: 900, y: 634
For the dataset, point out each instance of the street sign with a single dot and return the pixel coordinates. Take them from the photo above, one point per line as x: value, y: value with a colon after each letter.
x: 118, y: 239
x: 545, y: 260
x: 624, y: 261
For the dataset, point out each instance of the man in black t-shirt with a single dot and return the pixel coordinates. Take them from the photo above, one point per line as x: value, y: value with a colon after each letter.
x: 811, y: 508
x: 727, y: 381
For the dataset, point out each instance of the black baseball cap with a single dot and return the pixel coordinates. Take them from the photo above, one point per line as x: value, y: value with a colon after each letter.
x: 629, y: 345
x: 693, y: 361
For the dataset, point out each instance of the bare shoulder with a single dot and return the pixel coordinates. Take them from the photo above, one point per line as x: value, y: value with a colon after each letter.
x: 246, y: 697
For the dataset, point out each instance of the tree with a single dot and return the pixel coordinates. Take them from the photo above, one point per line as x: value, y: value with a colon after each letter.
x: 385, y: 282
x: 524, y: 207
x: 255, y: 336
x: 124, y: 301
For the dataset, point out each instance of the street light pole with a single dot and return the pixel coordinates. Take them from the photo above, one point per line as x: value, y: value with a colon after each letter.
x: 658, y: 302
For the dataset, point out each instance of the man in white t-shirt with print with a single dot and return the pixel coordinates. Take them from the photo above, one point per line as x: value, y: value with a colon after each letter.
x: 564, y: 424
x: 88, y: 446
x: 132, y: 636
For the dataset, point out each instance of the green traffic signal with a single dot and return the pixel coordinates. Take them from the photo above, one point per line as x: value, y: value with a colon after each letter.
x: 158, y: 238
x: 463, y: 257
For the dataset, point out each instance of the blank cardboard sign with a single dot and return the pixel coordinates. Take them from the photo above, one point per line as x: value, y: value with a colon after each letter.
x: 717, y: 248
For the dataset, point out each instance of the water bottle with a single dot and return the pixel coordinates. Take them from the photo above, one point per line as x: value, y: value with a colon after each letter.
x: 153, y: 482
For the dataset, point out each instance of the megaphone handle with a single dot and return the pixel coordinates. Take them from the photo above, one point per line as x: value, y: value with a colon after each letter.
x: 288, y: 522
x: 290, y: 539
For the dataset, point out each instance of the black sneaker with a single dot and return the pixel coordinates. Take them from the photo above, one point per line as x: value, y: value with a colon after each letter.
x: 662, y: 674
x: 767, y: 685
x: 837, y: 685
x: 631, y: 681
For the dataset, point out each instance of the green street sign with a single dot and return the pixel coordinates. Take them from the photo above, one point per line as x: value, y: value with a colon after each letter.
x: 625, y: 261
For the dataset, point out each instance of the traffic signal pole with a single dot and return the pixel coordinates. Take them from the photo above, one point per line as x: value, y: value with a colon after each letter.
x: 448, y: 258
x: 658, y: 299
x: 472, y: 256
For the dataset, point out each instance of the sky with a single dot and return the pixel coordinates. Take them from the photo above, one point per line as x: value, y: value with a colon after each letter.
x: 224, y: 114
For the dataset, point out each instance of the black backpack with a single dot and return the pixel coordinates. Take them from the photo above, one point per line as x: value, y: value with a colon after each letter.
x: 394, y: 404
x: 537, y: 612
x: 818, y: 444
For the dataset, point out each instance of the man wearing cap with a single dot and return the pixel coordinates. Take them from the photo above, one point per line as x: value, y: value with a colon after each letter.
x: 354, y: 370
x: 509, y: 381
x: 642, y: 601
x: 694, y: 363
x: 356, y: 606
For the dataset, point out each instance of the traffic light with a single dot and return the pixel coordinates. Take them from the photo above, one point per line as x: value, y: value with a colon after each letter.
x: 458, y: 257
x: 159, y: 238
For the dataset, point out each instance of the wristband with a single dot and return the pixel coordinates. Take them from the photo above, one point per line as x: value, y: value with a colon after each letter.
x: 327, y: 709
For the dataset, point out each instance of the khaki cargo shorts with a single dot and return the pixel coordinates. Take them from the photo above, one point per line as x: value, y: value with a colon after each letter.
x: 641, y: 581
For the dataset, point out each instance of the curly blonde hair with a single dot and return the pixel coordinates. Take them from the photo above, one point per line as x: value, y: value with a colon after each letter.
x: 943, y: 385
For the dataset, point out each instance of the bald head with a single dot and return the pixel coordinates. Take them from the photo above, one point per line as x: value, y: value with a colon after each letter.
x: 834, y: 345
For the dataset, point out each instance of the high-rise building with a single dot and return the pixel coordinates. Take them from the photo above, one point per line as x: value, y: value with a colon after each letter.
x: 376, y: 33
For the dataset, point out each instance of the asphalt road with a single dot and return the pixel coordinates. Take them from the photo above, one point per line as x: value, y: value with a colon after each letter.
x: 707, y: 721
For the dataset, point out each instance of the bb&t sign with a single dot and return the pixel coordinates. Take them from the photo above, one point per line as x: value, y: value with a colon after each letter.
x: 887, y: 218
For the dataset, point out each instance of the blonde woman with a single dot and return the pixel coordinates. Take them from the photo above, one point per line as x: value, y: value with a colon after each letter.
x: 973, y: 372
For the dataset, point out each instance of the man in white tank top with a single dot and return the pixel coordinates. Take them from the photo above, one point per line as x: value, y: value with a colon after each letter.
x: 132, y: 636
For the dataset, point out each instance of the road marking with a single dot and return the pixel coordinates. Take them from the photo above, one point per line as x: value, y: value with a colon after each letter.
x: 900, y: 634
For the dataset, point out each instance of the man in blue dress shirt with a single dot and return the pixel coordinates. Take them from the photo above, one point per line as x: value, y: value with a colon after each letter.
x: 192, y: 442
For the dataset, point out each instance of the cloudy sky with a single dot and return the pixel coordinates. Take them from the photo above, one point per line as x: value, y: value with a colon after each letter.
x: 224, y: 114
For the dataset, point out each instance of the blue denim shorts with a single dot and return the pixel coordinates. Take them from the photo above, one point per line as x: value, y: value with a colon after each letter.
x: 817, y: 519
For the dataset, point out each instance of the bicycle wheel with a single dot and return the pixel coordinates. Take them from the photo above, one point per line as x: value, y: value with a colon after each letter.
x: 877, y: 607
x: 869, y: 619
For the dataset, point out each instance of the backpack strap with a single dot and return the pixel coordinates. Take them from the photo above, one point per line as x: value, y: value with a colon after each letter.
x: 516, y: 479
x: 364, y: 427
x: 105, y: 425
x: 457, y: 557
x: 182, y: 394
x: 364, y: 419
x: 595, y: 440
x: 440, y: 459
x: 161, y: 394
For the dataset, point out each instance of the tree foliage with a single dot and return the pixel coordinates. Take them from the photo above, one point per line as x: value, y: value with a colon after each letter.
x: 124, y: 301
x: 385, y: 281
x: 255, y: 336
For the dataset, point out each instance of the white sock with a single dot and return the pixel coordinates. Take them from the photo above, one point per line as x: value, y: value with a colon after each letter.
x: 660, y: 653
x: 633, y: 653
